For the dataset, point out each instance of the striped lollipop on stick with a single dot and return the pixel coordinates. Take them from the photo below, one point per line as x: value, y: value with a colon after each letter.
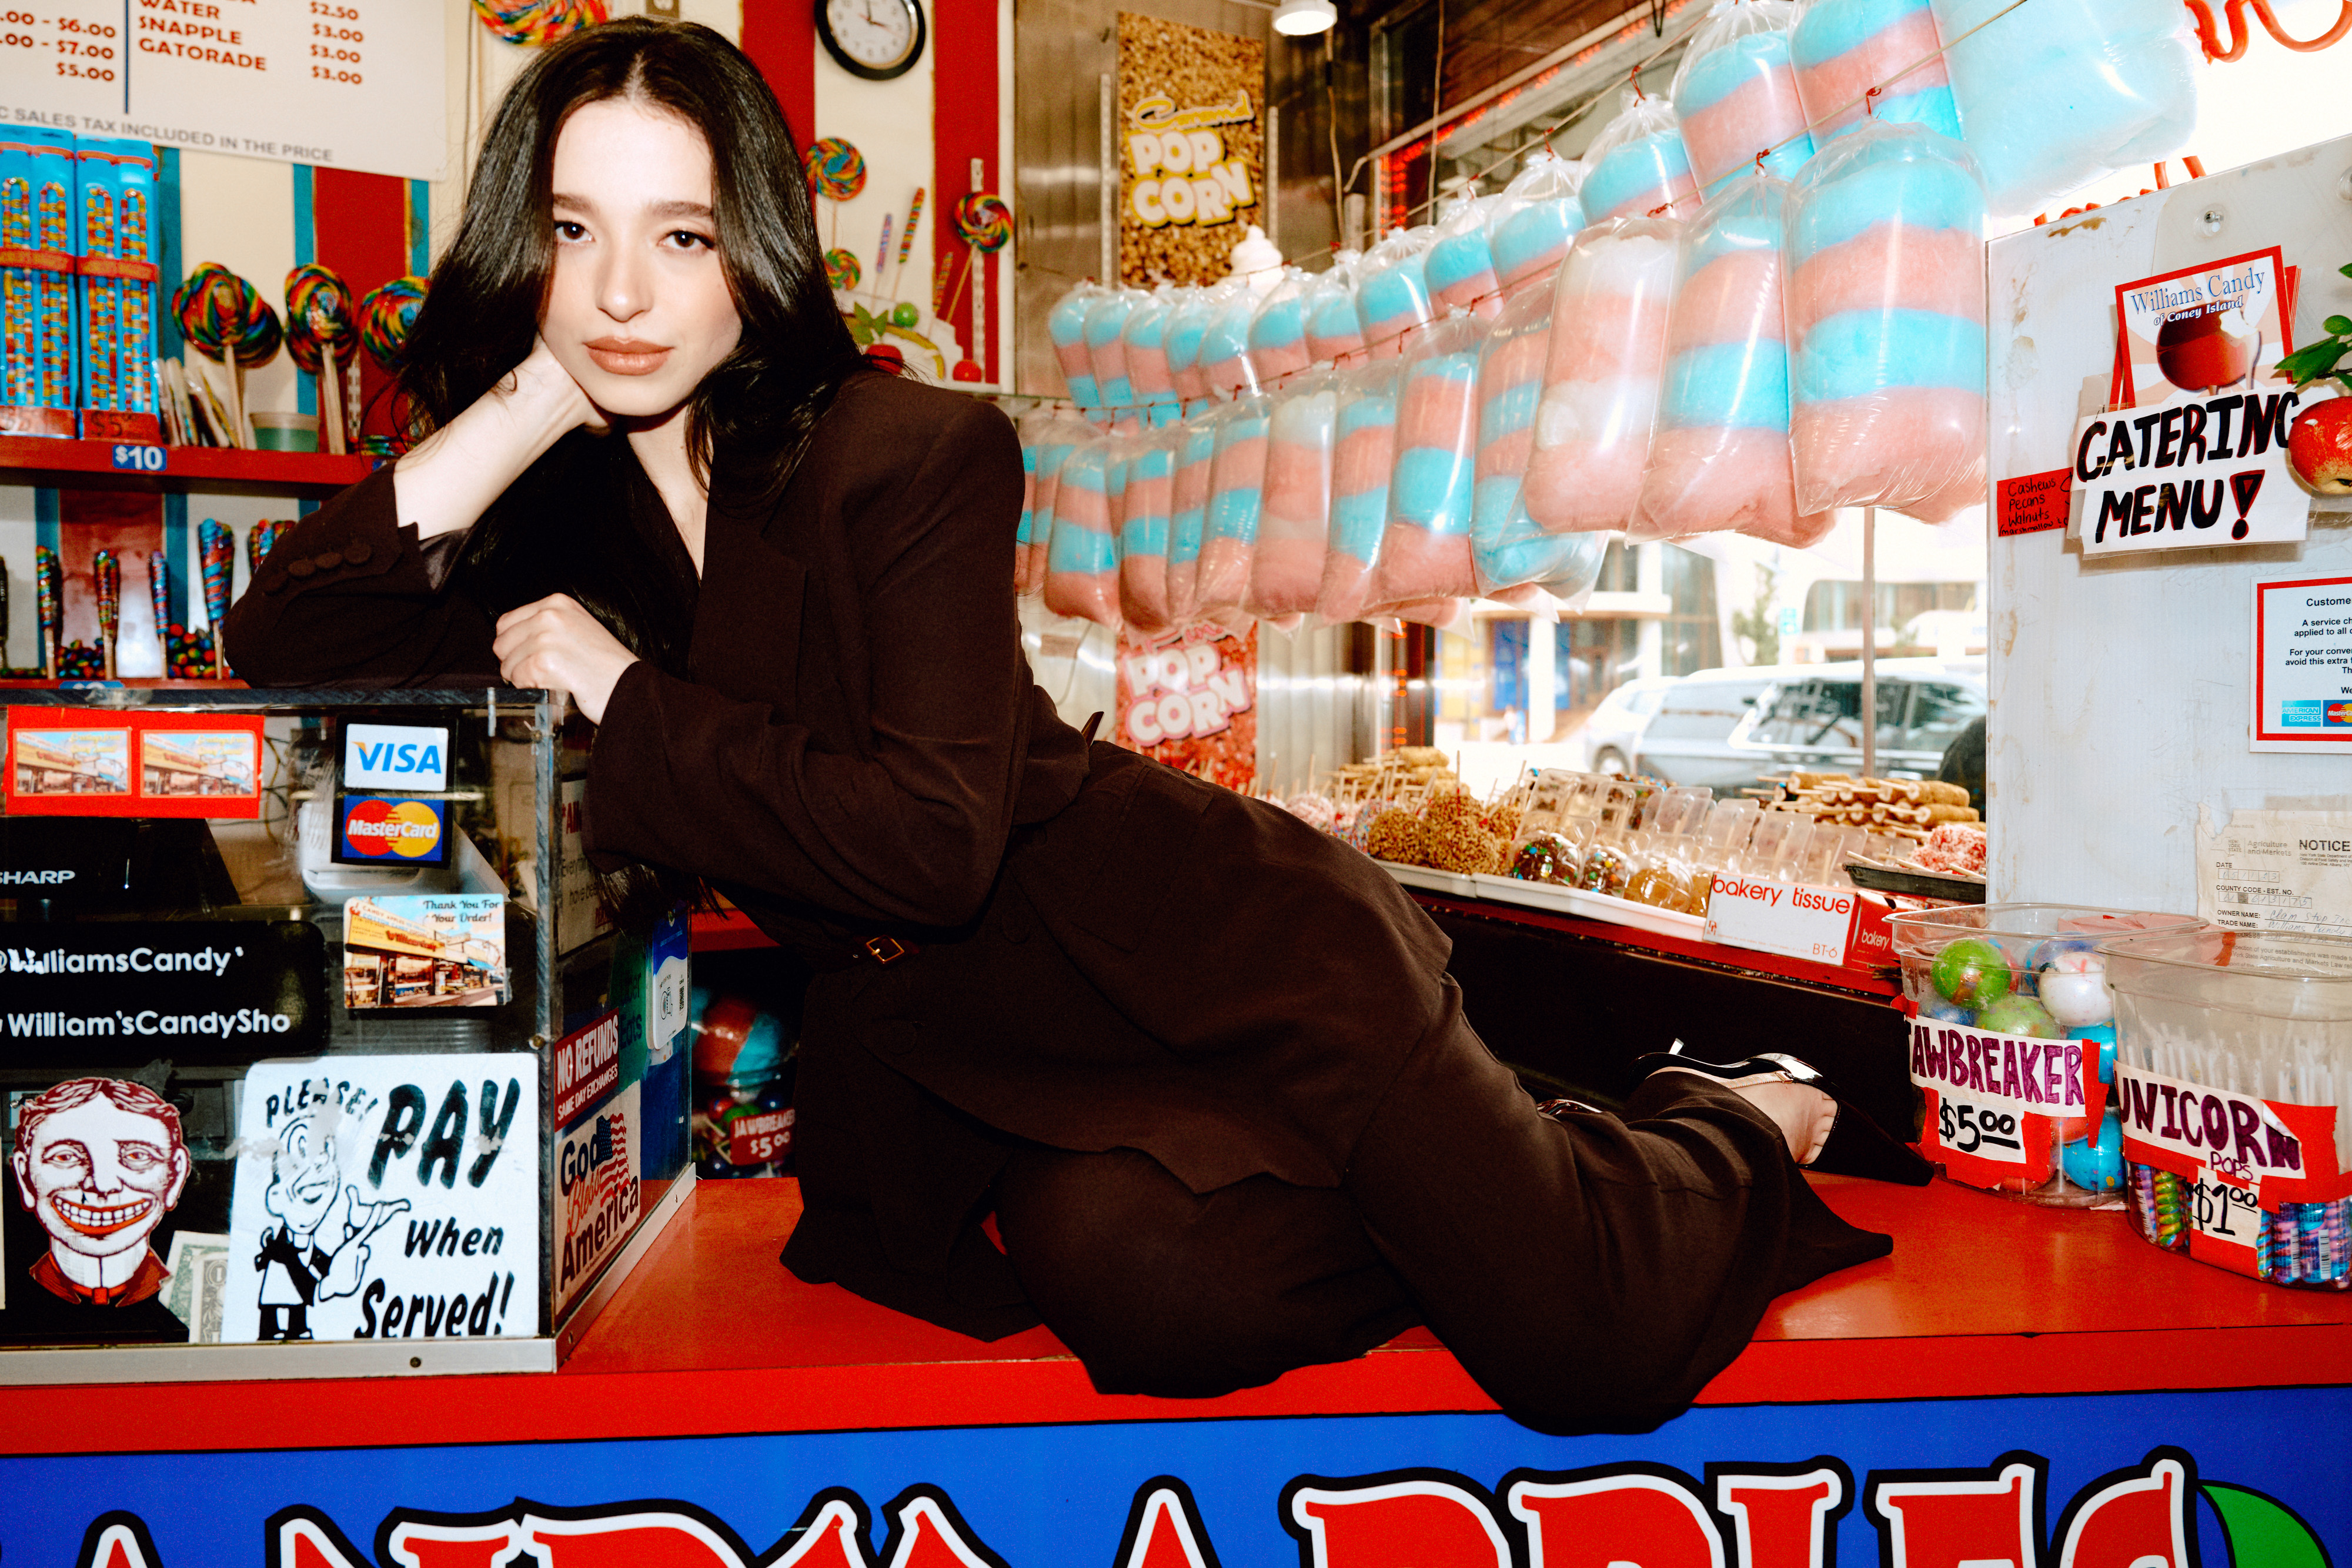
x: 159, y: 597
x: 984, y: 224
x: 836, y: 171
x: 225, y: 318
x: 49, y: 608
x: 106, y: 578
x: 906, y: 240
x: 321, y: 335
x: 217, y: 555
x: 259, y: 540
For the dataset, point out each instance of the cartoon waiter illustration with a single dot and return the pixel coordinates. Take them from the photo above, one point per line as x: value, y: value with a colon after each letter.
x: 318, y: 1251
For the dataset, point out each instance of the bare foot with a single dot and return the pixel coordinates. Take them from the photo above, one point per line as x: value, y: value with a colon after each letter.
x: 1803, y: 1113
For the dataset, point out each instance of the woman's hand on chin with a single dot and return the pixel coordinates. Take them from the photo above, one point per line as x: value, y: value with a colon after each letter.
x: 555, y: 644
x: 541, y: 384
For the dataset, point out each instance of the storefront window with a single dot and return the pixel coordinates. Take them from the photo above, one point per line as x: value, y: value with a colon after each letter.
x: 1692, y: 637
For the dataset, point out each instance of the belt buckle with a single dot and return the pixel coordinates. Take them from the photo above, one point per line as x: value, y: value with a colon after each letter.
x: 885, y: 950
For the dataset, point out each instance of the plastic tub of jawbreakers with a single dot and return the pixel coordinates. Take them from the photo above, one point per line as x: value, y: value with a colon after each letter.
x: 2233, y: 1076
x: 2012, y: 1045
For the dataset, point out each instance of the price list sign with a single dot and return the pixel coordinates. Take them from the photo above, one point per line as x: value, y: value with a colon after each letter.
x: 350, y: 84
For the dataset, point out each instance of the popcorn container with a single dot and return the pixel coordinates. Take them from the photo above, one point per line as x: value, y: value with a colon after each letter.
x: 2234, y: 1071
x: 2012, y: 1044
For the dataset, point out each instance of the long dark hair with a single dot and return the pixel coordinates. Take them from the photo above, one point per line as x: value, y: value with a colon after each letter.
x: 564, y: 525
x: 756, y: 409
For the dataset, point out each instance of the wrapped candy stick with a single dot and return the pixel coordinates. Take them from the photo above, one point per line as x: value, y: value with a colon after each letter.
x: 1187, y: 324
x: 1277, y: 331
x: 1054, y: 438
x: 106, y: 580
x: 1719, y: 459
x: 1508, y: 549
x: 1145, y: 513
x: 1538, y: 215
x: 1460, y: 266
x: 1843, y: 49
x: 907, y: 241
x: 259, y: 540
x: 1886, y: 326
x: 1736, y: 94
x: 1066, y: 324
x: 48, y: 607
x: 1637, y: 164
x: 1287, y: 574
x: 1602, y: 376
x: 1236, y: 504
x: 217, y: 556
x: 1363, y: 451
x: 1333, y: 328
x: 1392, y: 290
x: 1425, y: 549
x: 1196, y: 452
x: 1082, y: 568
x: 159, y: 598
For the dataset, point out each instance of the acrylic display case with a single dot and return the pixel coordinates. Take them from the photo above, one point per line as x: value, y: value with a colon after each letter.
x: 321, y: 1057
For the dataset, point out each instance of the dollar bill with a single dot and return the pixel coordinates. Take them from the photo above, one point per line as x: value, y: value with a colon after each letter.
x: 199, y: 1283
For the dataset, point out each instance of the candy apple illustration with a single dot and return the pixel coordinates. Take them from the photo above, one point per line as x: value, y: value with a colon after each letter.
x: 2319, y: 442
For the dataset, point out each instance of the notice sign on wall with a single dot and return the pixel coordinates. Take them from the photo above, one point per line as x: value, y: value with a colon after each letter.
x: 353, y: 84
x: 1192, y: 148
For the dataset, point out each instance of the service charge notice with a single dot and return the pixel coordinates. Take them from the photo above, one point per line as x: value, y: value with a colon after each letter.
x: 353, y: 84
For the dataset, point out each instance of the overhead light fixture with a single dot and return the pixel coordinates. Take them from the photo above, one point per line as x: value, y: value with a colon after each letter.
x: 1303, y: 19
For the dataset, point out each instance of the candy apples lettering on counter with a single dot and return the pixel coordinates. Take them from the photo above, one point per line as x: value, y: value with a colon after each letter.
x: 2319, y: 442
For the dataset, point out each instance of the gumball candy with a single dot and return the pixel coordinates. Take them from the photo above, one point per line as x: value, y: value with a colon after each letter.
x: 1943, y: 1012
x: 2048, y: 951
x: 904, y: 314
x: 2102, y: 1035
x: 2019, y: 1014
x: 1971, y: 972
x: 2097, y: 1164
x: 386, y: 317
x: 841, y: 269
x: 2074, y: 988
x: 984, y: 221
x: 836, y: 169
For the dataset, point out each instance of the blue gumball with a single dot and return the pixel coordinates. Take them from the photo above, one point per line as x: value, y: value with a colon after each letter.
x: 2097, y: 1165
x: 1943, y: 1012
x: 2104, y: 1034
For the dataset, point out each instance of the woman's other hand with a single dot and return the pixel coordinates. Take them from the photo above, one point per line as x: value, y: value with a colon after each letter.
x: 555, y: 644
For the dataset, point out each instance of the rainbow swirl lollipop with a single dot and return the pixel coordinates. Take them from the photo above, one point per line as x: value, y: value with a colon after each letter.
x: 841, y: 269
x: 386, y: 315
x: 223, y: 315
x: 984, y: 221
x: 537, y: 22
x: 318, y: 315
x: 835, y: 168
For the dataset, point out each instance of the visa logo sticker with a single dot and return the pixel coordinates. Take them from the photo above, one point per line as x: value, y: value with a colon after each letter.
x: 394, y: 756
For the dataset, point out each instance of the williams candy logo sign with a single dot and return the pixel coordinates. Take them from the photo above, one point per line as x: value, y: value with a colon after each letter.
x: 1650, y: 1516
x: 395, y: 756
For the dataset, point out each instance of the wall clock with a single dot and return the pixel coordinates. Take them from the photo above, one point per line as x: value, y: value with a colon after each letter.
x: 876, y: 39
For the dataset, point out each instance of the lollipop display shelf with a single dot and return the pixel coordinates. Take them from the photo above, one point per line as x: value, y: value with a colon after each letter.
x: 104, y: 465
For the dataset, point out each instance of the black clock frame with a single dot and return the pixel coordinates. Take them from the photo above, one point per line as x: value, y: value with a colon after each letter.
x: 859, y: 67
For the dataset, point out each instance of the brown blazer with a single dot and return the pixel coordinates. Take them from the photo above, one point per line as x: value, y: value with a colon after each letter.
x: 1113, y: 953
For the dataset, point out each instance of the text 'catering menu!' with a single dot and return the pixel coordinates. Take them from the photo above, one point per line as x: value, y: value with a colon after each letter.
x: 349, y: 84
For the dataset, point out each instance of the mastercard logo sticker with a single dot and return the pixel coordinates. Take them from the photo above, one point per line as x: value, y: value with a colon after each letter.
x: 378, y: 831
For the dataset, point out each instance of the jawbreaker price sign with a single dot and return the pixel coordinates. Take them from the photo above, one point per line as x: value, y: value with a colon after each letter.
x: 353, y: 84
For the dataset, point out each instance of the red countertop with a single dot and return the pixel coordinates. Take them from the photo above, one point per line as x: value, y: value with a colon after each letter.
x: 1981, y: 1297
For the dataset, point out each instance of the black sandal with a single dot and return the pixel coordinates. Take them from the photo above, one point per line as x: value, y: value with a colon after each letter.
x: 1855, y: 1146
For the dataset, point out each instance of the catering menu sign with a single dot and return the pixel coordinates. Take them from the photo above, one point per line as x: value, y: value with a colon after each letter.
x: 349, y: 84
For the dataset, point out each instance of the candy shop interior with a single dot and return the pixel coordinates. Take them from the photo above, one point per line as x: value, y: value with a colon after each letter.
x: 1705, y: 559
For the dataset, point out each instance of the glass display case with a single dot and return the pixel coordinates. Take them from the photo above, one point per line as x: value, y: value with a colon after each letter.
x: 317, y: 1037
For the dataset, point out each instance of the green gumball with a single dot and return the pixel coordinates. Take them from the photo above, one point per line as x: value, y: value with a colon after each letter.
x: 1972, y: 972
x: 905, y: 315
x: 2019, y: 1014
